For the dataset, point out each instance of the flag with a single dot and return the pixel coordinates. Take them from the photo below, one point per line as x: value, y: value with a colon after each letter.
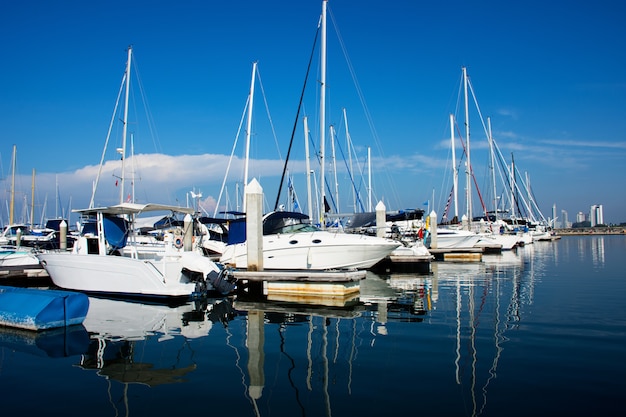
x: 292, y: 194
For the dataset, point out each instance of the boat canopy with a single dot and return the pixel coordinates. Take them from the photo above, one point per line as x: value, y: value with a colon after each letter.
x: 134, y: 208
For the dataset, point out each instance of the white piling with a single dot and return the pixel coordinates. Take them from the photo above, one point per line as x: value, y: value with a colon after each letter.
x: 188, y: 233
x: 63, y: 235
x: 18, y: 238
x: 254, y: 225
x: 381, y: 219
x: 433, y: 229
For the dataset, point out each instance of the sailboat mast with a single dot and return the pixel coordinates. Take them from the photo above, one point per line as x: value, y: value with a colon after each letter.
x: 323, y: 114
x: 493, y: 170
x: 349, y: 148
x: 308, y: 167
x: 332, y: 145
x: 467, y: 139
x: 369, y: 179
x: 455, y: 172
x: 125, y: 123
x: 512, y: 186
x: 132, y: 179
x: 249, y: 129
x: 12, y: 205
x: 32, y: 200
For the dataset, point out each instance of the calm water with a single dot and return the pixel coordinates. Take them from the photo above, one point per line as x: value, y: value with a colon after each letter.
x: 540, y: 332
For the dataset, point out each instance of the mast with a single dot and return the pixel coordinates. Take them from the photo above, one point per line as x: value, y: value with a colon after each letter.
x: 12, y: 205
x: 493, y: 171
x: 248, y: 129
x: 369, y: 179
x: 468, y: 185
x: 32, y: 200
x: 512, y: 186
x: 323, y: 114
x: 308, y: 167
x: 349, y: 147
x: 125, y: 122
x: 334, y: 156
x: 455, y: 172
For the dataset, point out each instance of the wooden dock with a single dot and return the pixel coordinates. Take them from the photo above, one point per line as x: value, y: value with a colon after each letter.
x: 458, y: 255
x: 301, y: 282
x: 22, y: 271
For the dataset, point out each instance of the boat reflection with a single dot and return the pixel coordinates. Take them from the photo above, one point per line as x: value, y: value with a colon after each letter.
x: 402, y: 297
x: 115, y: 326
x: 53, y: 343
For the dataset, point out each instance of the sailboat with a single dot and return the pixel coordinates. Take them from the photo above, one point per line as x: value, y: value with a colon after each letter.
x: 292, y: 242
x: 105, y: 260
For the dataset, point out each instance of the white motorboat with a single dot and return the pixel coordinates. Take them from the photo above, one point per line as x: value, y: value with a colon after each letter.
x: 291, y: 242
x: 105, y: 262
x: 12, y: 256
x: 454, y: 239
x: 505, y: 241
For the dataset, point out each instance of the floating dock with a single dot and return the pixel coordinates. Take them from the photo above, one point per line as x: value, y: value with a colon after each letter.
x: 458, y: 255
x: 302, y: 282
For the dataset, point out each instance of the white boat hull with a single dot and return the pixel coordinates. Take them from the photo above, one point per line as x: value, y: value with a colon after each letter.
x: 507, y: 242
x: 456, y: 239
x: 319, y: 250
x: 125, y: 276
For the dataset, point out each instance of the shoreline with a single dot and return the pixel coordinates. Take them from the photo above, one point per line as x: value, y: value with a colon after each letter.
x: 591, y: 231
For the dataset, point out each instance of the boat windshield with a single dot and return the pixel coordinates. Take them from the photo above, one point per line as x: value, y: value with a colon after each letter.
x: 288, y: 225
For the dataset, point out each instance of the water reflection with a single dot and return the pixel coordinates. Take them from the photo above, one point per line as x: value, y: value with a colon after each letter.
x: 52, y: 343
x: 280, y: 355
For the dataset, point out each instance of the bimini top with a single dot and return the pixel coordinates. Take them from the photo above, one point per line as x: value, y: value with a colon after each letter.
x: 134, y: 208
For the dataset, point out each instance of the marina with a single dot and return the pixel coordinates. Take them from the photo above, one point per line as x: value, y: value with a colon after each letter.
x: 544, y: 323
x: 289, y: 278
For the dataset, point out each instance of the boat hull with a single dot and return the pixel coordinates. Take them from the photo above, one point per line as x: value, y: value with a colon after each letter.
x: 314, y: 251
x: 456, y: 239
x: 125, y: 276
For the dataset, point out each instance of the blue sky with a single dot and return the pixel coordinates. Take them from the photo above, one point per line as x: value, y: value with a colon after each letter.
x: 549, y: 75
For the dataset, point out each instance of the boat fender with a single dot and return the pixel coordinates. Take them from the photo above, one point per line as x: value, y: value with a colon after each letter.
x: 178, y: 242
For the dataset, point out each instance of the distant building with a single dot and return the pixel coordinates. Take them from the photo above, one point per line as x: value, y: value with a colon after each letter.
x: 580, y: 217
x: 596, y: 216
x: 564, y: 220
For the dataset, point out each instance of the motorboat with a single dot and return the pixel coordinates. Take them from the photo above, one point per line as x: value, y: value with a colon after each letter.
x: 292, y: 242
x: 448, y: 238
x: 106, y: 261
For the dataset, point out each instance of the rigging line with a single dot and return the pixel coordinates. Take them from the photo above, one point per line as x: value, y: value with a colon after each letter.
x: 106, y: 142
x: 149, y: 117
x: 267, y: 110
x: 480, y: 197
x: 326, y: 183
x: 351, y: 178
x: 295, y: 123
x: 230, y: 160
x: 361, y: 96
